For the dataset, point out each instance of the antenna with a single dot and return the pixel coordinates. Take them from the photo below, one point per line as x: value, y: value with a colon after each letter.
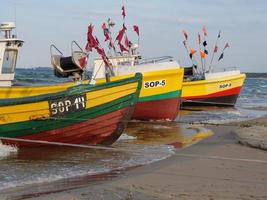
x: 15, y: 15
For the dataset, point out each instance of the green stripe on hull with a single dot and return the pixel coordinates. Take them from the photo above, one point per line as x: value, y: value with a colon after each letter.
x: 31, y: 127
x: 168, y: 95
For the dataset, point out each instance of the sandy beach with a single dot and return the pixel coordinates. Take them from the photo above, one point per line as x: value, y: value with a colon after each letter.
x: 218, y: 167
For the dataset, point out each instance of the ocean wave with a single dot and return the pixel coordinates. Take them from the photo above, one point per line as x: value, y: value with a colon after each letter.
x: 43, y: 171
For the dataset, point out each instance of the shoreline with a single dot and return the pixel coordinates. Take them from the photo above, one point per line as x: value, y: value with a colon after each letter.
x: 218, y: 167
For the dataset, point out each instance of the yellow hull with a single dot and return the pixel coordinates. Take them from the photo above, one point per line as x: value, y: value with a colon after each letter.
x: 41, y: 109
x: 27, y: 91
x: 157, y: 85
x: 219, y: 91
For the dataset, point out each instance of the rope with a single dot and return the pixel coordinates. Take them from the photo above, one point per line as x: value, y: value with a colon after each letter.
x: 60, y: 144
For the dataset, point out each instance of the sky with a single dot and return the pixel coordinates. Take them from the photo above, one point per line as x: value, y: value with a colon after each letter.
x: 243, y: 24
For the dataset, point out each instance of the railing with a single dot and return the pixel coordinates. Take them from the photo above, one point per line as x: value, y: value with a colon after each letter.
x: 224, y: 69
x: 156, y: 59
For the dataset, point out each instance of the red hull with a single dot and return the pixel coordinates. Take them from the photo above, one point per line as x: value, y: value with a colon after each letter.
x: 224, y: 98
x: 101, y: 130
x: 157, y: 109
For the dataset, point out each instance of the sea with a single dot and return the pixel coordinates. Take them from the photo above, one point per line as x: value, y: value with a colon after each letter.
x: 30, y: 171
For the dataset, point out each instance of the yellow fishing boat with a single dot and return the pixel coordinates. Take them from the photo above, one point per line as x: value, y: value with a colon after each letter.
x: 161, y: 90
x: 215, y: 88
x: 206, y: 85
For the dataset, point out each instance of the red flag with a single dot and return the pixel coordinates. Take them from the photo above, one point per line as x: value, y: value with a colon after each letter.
x: 226, y: 45
x: 83, y: 62
x: 92, y: 42
x: 121, y: 34
x: 199, y: 39
x: 126, y: 42
x: 185, y: 34
x: 101, y: 52
x: 104, y: 26
x: 110, y: 45
x: 204, y: 31
x: 124, y: 46
x: 136, y: 29
x: 123, y: 12
x: 106, y: 32
x: 215, y: 49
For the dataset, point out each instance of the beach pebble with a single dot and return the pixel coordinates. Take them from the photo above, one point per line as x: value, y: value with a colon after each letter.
x: 255, y: 136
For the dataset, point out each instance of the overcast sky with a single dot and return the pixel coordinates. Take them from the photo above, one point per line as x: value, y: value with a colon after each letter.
x: 243, y: 24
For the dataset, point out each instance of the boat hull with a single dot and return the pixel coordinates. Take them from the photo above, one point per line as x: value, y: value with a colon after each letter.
x: 158, y: 102
x: 219, y: 92
x: 80, y: 115
x: 104, y: 130
x: 157, y: 109
x: 228, y: 98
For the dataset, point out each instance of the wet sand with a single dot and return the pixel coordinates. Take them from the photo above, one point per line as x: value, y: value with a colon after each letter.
x: 218, y: 167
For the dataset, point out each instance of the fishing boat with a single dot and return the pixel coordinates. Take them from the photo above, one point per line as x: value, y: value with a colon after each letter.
x: 72, y: 113
x: 206, y: 85
x: 160, y: 95
x: 213, y: 88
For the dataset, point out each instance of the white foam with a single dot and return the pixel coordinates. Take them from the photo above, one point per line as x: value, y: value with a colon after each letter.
x: 7, y: 150
x: 126, y: 137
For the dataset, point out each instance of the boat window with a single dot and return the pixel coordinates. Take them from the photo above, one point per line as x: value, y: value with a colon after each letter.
x: 9, y: 62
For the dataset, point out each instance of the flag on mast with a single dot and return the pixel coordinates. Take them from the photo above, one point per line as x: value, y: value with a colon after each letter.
x: 122, y: 39
x: 219, y: 34
x: 202, y: 54
x: 107, y: 35
x: 221, y: 56
x: 123, y: 12
x: 121, y: 34
x: 205, y: 31
x: 92, y: 42
x: 226, y: 46
x: 185, y: 35
x: 199, y: 39
x: 215, y: 49
x: 192, y: 52
x: 106, y: 32
x: 184, y: 42
x: 136, y: 29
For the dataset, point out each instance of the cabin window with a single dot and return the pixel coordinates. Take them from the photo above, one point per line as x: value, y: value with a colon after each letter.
x: 9, y: 61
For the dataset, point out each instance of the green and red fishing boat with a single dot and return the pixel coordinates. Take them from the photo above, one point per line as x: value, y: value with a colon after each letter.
x: 82, y: 114
x: 66, y: 113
